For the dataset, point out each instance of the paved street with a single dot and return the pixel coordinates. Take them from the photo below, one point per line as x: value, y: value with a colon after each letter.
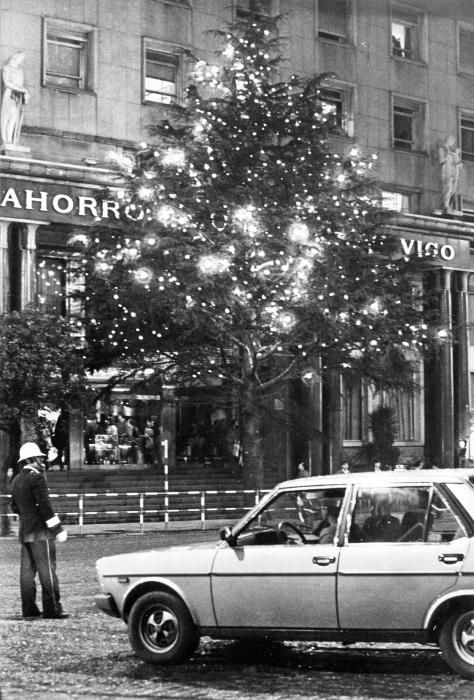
x: 88, y: 656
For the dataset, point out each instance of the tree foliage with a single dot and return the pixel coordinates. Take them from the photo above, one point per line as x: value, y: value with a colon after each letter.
x: 250, y: 250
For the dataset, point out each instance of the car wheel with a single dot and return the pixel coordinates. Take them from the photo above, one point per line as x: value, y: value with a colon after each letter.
x: 161, y: 630
x: 456, y: 641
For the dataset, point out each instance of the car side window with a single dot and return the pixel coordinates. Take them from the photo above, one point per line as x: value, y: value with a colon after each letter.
x: 296, y: 517
x: 403, y: 514
x: 442, y: 523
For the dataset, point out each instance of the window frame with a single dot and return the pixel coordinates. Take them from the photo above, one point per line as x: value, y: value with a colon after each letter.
x: 419, y: 123
x: 242, y: 13
x: 467, y: 116
x: 347, y: 100
x: 84, y: 34
x: 332, y: 36
x: 167, y: 49
x: 409, y: 17
x: 467, y: 28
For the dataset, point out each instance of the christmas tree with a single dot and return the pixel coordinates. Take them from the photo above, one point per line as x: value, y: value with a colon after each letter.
x: 250, y: 252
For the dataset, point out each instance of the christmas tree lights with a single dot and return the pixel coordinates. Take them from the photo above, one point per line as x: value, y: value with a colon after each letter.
x: 249, y: 247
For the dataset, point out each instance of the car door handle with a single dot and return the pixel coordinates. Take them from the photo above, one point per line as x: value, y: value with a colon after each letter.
x: 450, y: 558
x: 324, y: 561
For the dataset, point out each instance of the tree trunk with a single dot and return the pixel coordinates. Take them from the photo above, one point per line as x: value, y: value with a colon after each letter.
x: 14, y: 440
x: 252, y: 439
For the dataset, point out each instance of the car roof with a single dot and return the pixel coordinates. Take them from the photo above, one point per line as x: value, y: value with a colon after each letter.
x: 381, y: 478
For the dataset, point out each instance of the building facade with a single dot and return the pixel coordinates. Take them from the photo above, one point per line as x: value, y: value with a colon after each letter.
x: 98, y: 72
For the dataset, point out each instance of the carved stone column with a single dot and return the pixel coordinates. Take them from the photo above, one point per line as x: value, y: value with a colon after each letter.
x: 28, y: 289
x: 461, y: 357
x: 441, y: 416
x: 4, y: 280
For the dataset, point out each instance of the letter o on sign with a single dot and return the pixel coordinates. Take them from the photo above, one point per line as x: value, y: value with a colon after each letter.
x: 56, y: 203
x: 447, y: 252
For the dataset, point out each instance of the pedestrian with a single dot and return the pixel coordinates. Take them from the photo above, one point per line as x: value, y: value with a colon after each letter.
x: 39, y: 528
x: 302, y: 471
x: 344, y: 468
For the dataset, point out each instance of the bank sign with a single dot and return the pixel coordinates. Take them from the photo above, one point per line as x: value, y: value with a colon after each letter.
x: 82, y: 204
x: 59, y: 203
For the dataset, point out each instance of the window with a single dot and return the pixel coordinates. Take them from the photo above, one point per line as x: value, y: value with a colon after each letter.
x: 305, y: 517
x: 163, y: 73
x: 397, y: 201
x: 67, y: 55
x: 405, y: 34
x: 408, y: 119
x: 403, y: 405
x: 466, y: 49
x: 467, y: 137
x: 333, y: 20
x: 244, y: 7
x: 51, y: 284
x: 352, y: 408
x: 337, y: 104
x: 403, y: 514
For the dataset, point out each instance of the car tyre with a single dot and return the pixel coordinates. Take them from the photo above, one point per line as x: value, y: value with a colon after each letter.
x: 161, y: 629
x: 456, y: 640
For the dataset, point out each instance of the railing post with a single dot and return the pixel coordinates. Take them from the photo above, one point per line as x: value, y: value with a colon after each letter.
x: 142, y: 504
x: 203, y: 510
x: 81, y: 513
x: 164, y: 444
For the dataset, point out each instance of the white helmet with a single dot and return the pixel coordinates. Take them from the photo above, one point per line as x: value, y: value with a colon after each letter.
x: 29, y: 450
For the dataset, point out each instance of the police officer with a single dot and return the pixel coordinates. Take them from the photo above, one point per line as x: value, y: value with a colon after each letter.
x: 39, y: 528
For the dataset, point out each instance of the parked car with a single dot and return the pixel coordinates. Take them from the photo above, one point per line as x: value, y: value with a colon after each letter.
x: 385, y: 556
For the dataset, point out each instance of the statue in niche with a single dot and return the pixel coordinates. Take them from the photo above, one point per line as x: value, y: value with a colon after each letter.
x: 15, y: 97
x: 451, y: 163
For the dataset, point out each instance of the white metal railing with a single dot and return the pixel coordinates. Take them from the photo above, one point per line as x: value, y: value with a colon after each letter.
x: 138, y: 509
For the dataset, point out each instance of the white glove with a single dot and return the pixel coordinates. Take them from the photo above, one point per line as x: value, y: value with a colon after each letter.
x: 61, y: 536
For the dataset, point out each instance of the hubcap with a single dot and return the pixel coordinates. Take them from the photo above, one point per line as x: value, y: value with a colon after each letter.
x: 159, y: 629
x: 464, y: 637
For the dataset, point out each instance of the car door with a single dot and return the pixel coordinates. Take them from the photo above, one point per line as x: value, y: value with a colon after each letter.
x: 396, y: 560
x: 287, y: 585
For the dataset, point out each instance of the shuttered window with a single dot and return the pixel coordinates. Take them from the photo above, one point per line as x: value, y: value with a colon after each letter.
x: 333, y: 18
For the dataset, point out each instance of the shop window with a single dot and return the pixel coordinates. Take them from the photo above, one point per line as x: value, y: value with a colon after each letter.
x: 471, y: 313
x: 352, y: 409
x: 466, y: 48
x: 163, y: 73
x: 408, y: 122
x: 406, y: 34
x: 68, y: 55
x: 333, y: 20
x: 404, y: 405
x: 337, y: 103
x: 51, y: 284
x: 467, y: 137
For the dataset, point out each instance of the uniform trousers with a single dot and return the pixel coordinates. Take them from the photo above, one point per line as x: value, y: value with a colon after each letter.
x: 39, y: 558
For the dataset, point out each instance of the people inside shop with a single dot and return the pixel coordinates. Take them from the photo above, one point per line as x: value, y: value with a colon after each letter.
x: 133, y: 437
x: 149, y: 442
x: 90, y: 432
x: 232, y: 445
x: 60, y: 440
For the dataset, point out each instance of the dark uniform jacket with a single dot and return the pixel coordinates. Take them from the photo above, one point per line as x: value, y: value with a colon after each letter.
x: 30, y: 500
